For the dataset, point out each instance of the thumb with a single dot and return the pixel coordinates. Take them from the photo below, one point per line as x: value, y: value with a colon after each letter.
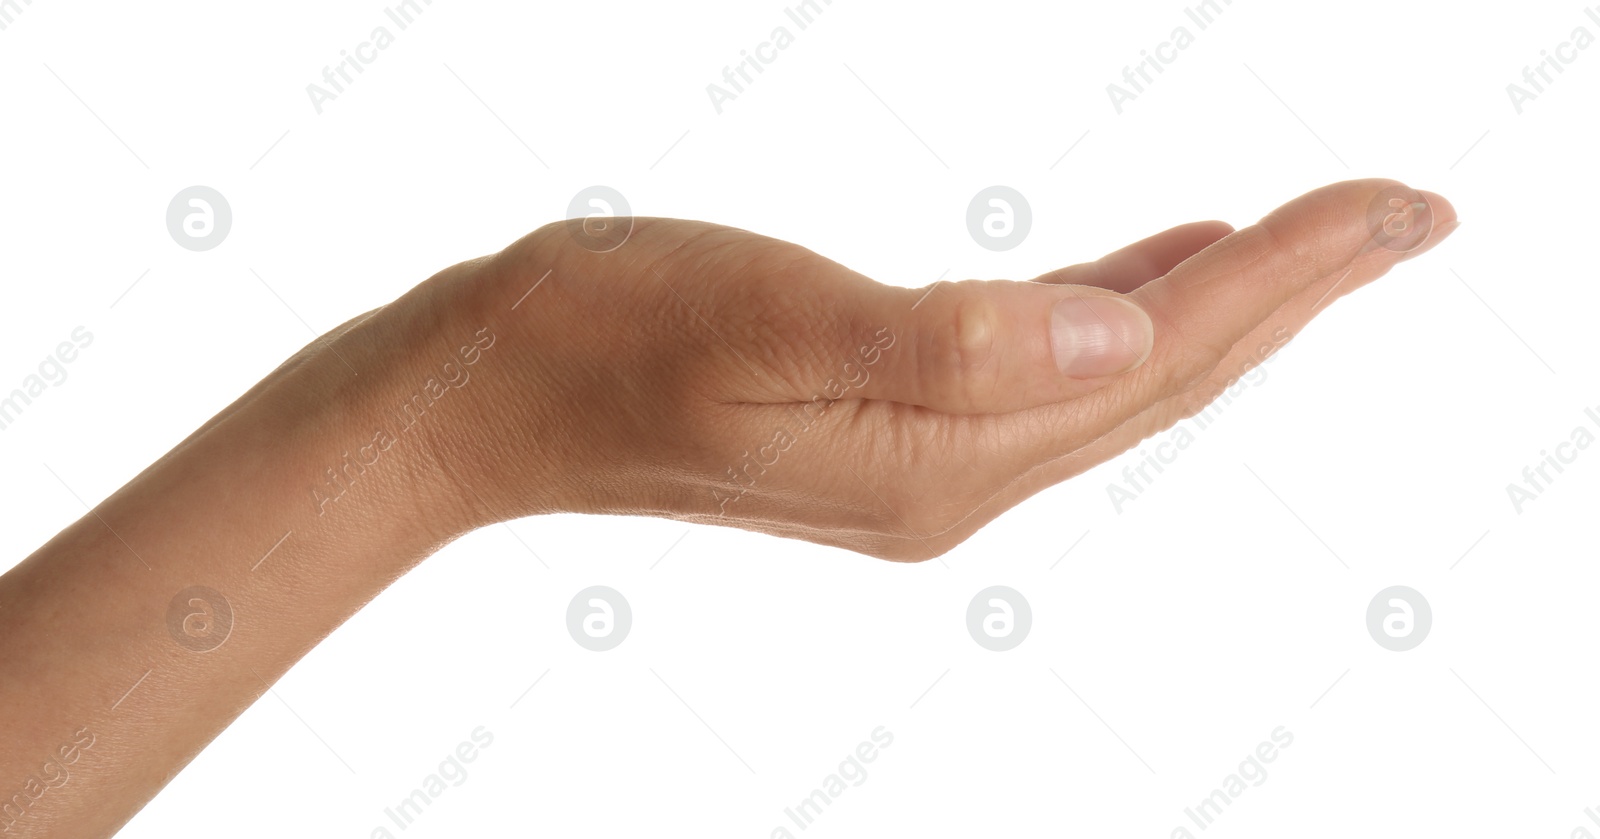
x: 987, y: 346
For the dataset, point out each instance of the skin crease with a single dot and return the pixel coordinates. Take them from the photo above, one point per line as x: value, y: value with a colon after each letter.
x: 629, y: 382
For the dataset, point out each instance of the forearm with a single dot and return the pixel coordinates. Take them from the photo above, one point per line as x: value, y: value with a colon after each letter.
x: 96, y: 653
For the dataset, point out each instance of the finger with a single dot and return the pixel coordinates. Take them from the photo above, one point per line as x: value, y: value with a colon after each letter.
x: 994, y: 347
x: 1126, y: 269
x: 980, y: 347
x: 991, y: 478
x: 1247, y: 355
x: 1018, y: 476
x: 1205, y: 399
x: 1211, y: 302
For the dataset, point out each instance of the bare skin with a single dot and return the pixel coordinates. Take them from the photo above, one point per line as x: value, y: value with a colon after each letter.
x: 658, y: 378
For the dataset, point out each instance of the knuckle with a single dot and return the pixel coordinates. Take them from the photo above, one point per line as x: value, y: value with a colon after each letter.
x: 1186, y: 364
x: 962, y: 349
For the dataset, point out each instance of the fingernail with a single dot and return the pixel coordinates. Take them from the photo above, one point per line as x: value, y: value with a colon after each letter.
x: 1099, y: 336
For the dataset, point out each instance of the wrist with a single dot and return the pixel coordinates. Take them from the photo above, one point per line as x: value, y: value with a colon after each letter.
x: 469, y: 407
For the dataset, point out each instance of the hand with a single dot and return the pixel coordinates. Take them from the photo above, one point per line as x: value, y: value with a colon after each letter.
x: 696, y: 372
x: 712, y: 375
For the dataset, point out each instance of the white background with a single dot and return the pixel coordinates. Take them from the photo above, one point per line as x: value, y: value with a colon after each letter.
x: 1166, y: 644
